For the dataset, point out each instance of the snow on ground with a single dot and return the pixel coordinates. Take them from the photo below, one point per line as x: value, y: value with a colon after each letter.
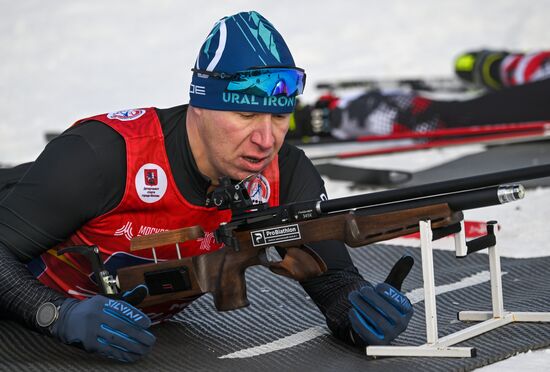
x: 64, y: 60
x: 532, y: 361
x: 67, y: 59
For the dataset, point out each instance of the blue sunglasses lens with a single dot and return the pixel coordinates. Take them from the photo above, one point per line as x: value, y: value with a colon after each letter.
x: 268, y: 82
x: 280, y: 89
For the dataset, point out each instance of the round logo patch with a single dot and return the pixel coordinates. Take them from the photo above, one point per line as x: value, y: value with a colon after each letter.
x: 151, y: 183
x: 126, y: 115
x: 258, y: 189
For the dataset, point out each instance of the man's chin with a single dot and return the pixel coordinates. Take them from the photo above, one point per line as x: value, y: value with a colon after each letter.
x: 242, y: 174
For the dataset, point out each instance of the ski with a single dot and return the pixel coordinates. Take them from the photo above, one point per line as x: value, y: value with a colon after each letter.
x: 498, y: 138
x: 437, y: 133
x: 51, y: 135
x: 461, y: 131
x: 363, y: 176
x: 433, y: 84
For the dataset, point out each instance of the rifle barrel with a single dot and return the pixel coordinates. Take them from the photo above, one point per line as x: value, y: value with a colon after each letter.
x: 433, y: 189
x: 457, y: 201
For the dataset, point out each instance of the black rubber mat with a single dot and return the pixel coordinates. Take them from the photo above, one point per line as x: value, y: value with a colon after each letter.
x: 202, y: 339
x: 493, y: 159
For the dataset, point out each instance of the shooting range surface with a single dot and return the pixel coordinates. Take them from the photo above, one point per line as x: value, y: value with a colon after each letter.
x: 283, y: 330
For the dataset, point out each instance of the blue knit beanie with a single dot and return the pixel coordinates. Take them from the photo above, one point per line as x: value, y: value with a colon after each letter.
x: 236, y: 43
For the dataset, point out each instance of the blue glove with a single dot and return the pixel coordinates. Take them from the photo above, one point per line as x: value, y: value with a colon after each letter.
x: 378, y: 315
x: 112, y: 328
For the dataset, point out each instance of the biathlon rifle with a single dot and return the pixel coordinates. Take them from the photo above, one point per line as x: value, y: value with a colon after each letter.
x: 279, y: 237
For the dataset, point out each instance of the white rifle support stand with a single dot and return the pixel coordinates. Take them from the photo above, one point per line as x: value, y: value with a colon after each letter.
x: 498, y: 317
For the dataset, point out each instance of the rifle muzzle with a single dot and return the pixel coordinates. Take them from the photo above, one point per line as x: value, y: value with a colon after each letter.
x: 510, y: 193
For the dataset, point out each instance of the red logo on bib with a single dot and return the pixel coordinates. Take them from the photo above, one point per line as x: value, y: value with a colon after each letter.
x: 151, y: 177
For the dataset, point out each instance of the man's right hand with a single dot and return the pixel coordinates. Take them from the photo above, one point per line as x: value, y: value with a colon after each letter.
x: 112, y: 328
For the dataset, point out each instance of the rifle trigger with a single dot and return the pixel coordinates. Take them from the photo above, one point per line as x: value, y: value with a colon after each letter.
x: 269, y: 256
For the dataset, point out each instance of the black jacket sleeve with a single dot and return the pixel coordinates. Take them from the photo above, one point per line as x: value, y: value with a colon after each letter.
x: 330, y: 290
x: 54, y: 196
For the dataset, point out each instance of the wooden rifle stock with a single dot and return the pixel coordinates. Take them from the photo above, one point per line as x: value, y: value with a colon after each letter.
x: 222, y: 272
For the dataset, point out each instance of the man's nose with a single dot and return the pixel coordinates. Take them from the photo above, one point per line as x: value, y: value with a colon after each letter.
x: 262, y: 135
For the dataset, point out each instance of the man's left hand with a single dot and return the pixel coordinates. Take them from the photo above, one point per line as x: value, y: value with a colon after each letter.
x: 378, y: 314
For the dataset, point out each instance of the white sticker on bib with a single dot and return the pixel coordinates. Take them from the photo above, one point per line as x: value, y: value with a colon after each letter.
x: 151, y: 183
x: 126, y: 115
x: 258, y: 188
